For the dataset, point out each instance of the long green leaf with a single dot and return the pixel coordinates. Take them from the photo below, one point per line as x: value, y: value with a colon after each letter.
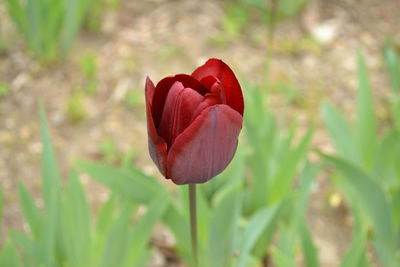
x: 374, y: 202
x: 50, y: 172
x: 133, y: 184
x: 366, y: 132
x: 31, y: 212
x: 341, y: 133
x: 393, y: 66
x: 356, y: 254
x: 75, y: 223
x: 223, y: 224
x: 141, y: 234
x: 310, y: 251
x: 49, y: 236
x: 28, y: 246
x: 116, y: 245
x: 179, y: 225
x: 256, y: 225
x: 287, y: 170
x: 9, y: 256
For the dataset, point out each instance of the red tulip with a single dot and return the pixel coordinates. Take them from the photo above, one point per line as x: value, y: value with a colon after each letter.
x: 194, y: 121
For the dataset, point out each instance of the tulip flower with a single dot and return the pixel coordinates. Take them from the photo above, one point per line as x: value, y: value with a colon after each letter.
x: 194, y: 122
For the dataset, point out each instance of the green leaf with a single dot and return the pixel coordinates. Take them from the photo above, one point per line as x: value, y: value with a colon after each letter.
x: 141, y: 234
x: 374, y: 202
x: 222, y: 227
x: 75, y: 223
x: 179, y: 225
x: 340, y: 133
x: 366, y: 133
x: 50, y: 173
x: 115, y: 249
x: 28, y: 246
x: 282, y: 182
x: 133, y: 184
x: 281, y: 259
x: 386, y: 160
x: 393, y: 66
x: 256, y: 225
x: 31, y: 212
x: 49, y: 235
x: 9, y: 256
x: 309, y: 249
x: 106, y: 215
x: 355, y: 256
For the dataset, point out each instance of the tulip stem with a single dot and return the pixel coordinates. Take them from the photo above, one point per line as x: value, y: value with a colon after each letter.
x: 193, y: 222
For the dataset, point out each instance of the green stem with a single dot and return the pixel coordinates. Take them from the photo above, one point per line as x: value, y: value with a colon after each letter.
x: 193, y: 222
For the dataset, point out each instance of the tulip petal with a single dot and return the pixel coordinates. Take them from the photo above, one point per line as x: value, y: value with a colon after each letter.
x: 206, y: 147
x: 179, y: 108
x: 215, y: 87
x: 157, y: 145
x: 216, y: 67
x: 163, y: 87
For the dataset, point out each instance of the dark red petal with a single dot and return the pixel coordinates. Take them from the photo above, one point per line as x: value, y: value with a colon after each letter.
x: 179, y: 107
x: 157, y: 145
x: 206, y: 147
x: 216, y: 67
x: 162, y: 89
x: 209, y: 100
x: 215, y: 87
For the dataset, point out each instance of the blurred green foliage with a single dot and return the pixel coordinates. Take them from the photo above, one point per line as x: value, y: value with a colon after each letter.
x: 63, y: 232
x: 111, y: 154
x: 282, y: 8
x: 48, y: 26
x: 369, y: 171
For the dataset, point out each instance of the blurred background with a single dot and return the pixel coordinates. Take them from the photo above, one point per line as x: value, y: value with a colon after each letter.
x: 87, y: 60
